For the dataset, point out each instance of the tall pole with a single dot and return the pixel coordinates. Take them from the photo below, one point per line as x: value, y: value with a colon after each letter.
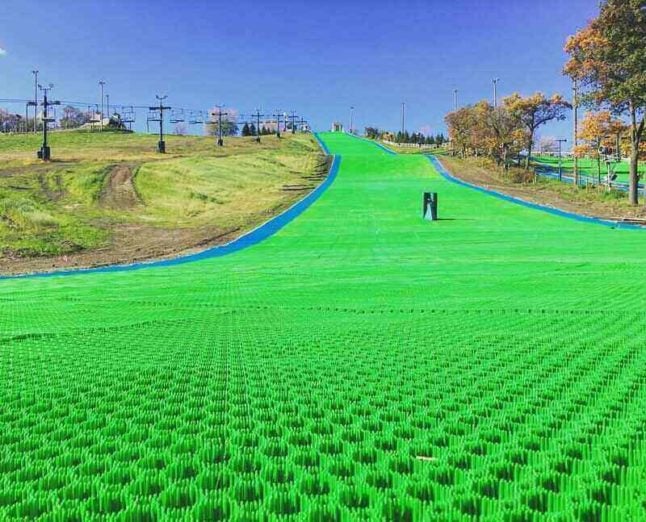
x: 495, y: 94
x: 161, y: 146
x: 102, y: 84
x: 293, y: 120
x: 44, y: 152
x: 220, y: 114
x: 351, y: 118
x: 107, y: 101
x: 403, y: 117
x: 575, y: 133
x: 455, y: 99
x: 561, y: 140
x: 45, y: 156
x: 35, y: 73
x: 277, y: 123
x: 258, y: 115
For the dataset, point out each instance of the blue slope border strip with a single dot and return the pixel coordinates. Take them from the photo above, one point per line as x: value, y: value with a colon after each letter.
x: 255, y: 236
x: 555, y: 211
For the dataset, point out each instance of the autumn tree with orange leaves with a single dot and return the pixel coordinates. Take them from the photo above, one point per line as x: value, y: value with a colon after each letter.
x: 600, y: 129
x: 608, y: 59
x: 534, y: 111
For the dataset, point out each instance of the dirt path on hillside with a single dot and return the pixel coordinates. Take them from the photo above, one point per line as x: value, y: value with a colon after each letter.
x: 542, y: 194
x: 133, y: 243
x: 119, y: 189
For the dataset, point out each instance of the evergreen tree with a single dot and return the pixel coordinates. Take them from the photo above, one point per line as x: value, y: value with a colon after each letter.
x: 430, y: 140
x: 252, y: 130
x: 245, y: 130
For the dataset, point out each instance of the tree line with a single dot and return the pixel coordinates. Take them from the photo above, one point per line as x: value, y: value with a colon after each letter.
x: 502, y: 132
x: 607, y: 60
x: 417, y: 138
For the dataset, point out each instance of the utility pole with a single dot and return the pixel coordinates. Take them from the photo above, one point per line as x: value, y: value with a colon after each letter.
x: 161, y: 146
x: 277, y: 114
x: 560, y: 140
x: 35, y: 73
x: 258, y: 116
x: 403, y: 117
x: 107, y: 101
x: 45, y: 153
x: 495, y: 94
x: 102, y: 84
x: 219, y: 115
x: 575, y: 134
x: 455, y: 99
x: 351, y: 118
x: 302, y: 124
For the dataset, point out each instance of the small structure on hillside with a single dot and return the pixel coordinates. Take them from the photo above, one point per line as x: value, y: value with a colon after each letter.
x: 337, y: 126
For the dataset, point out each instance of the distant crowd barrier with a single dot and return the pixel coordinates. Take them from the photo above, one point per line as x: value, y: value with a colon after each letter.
x: 567, y: 176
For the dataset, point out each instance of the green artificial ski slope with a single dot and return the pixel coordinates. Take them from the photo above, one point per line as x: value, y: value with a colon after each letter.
x: 362, y: 364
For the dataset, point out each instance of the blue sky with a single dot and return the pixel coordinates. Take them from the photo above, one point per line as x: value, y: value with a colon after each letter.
x: 316, y: 57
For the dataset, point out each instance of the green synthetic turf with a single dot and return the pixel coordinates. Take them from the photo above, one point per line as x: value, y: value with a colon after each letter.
x: 590, y: 167
x: 361, y: 364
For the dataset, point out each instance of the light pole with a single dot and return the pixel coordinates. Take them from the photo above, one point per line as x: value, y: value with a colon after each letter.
x: 495, y: 94
x: 102, y: 84
x: 403, y: 117
x: 560, y: 140
x: 35, y: 73
x: 351, y: 117
x: 455, y: 99
x: 107, y: 101
x: 575, y: 133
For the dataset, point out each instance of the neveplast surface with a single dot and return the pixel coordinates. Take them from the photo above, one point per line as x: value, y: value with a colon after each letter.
x: 361, y: 363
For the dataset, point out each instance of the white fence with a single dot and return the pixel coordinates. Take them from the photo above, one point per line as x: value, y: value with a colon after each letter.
x: 411, y: 145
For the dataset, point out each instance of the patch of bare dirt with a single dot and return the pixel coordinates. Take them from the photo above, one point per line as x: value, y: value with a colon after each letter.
x: 119, y: 189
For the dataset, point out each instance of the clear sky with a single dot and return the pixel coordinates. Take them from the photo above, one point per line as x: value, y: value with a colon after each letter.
x: 318, y: 57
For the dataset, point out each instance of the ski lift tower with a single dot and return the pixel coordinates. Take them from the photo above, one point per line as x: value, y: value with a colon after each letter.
x: 157, y: 114
x: 93, y: 115
x: 128, y: 116
x: 48, y: 116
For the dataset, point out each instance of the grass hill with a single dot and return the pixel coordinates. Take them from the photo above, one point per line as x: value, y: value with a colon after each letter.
x: 109, y: 197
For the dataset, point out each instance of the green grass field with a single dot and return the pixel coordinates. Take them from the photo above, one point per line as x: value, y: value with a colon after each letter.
x: 361, y: 364
x: 589, y: 166
x: 60, y: 208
